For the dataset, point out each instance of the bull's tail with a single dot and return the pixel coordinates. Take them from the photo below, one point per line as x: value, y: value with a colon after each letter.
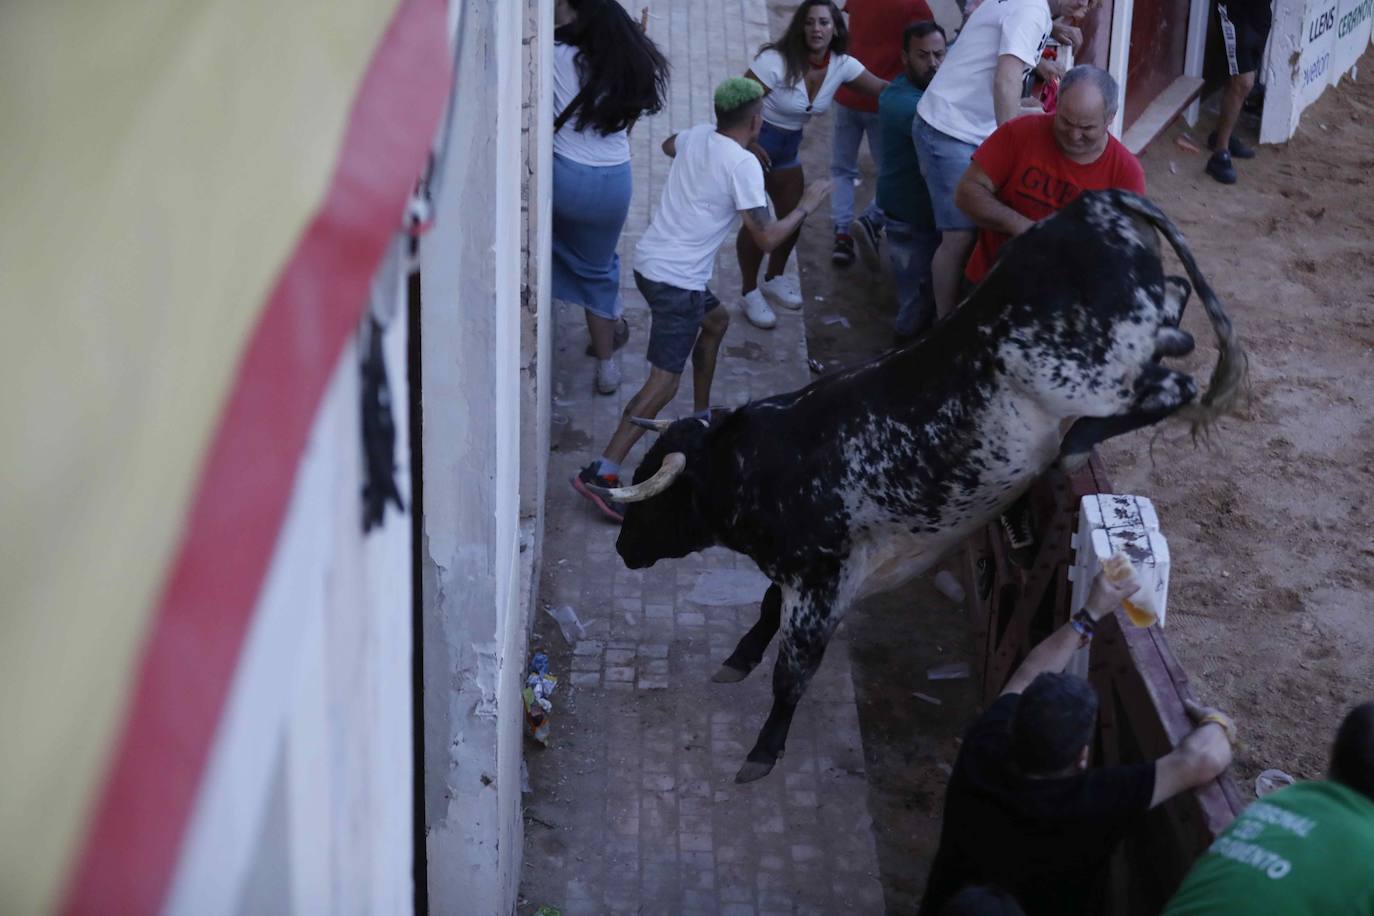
x: 1229, y: 386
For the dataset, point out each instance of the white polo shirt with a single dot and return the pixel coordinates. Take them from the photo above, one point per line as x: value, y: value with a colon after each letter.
x: 959, y: 100
x: 788, y: 106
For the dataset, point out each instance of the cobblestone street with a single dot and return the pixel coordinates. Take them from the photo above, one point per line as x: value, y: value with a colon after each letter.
x: 633, y: 805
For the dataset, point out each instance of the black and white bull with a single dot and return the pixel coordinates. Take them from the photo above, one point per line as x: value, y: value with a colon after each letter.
x: 861, y: 480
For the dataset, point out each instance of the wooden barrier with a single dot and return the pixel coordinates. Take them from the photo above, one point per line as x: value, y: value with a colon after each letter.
x: 1140, y: 684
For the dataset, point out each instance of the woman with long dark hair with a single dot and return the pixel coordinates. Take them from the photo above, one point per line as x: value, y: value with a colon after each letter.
x: 801, y: 72
x: 606, y: 75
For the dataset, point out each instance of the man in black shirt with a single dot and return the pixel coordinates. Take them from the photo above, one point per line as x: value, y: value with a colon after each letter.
x: 1024, y: 812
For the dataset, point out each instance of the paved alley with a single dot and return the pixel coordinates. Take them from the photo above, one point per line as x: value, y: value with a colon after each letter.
x: 633, y: 806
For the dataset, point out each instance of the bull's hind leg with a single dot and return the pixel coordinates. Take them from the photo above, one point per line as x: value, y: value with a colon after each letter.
x: 751, y: 647
x: 806, y: 629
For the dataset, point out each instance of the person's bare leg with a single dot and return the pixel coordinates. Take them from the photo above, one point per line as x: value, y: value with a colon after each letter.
x: 602, y: 331
x: 1232, y: 98
x: 750, y: 260
x: 947, y: 267
x: 657, y: 392
x: 786, y: 192
x: 704, y: 354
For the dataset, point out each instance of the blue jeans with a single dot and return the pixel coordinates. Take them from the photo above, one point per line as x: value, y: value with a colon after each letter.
x: 909, y: 251
x: 850, y: 127
x: 944, y: 159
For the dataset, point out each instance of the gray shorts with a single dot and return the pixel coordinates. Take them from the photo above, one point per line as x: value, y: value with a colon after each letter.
x: 677, y: 316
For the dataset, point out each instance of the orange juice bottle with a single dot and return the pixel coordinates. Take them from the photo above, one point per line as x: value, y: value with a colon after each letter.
x: 1139, y: 607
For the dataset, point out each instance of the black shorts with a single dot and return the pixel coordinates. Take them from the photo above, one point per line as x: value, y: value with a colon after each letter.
x: 1244, y: 30
x: 677, y: 315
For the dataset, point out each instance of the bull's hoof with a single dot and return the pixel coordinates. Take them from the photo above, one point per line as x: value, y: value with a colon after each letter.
x: 752, y: 770
x: 729, y: 675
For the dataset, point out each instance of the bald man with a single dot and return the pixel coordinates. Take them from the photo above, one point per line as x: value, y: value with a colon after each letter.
x: 1035, y: 164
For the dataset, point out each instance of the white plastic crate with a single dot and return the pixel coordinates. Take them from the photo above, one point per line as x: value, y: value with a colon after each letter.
x: 1108, y: 523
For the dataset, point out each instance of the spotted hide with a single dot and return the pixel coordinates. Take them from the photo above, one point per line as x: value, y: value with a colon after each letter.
x: 861, y: 480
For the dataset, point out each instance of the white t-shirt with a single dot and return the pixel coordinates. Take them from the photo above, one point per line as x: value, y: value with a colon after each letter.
x: 787, y: 106
x: 590, y: 146
x: 959, y: 100
x: 712, y: 178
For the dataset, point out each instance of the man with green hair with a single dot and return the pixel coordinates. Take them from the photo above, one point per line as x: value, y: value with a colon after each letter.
x: 713, y: 179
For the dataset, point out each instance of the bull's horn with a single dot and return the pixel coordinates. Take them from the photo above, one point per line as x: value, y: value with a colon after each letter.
x: 672, y: 466
x: 657, y: 426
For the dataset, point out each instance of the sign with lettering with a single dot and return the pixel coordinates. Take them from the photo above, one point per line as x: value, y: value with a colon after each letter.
x: 1314, y: 66
x: 1312, y: 46
x: 1353, y: 20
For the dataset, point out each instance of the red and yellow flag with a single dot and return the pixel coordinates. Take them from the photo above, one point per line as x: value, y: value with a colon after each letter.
x: 195, y: 196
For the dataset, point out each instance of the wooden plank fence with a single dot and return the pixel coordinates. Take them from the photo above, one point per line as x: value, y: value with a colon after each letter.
x: 1140, y: 684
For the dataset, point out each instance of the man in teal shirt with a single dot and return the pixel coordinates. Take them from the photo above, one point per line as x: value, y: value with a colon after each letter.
x: 1307, y: 850
x: 902, y: 195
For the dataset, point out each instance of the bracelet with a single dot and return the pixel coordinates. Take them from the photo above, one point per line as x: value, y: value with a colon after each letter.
x: 804, y: 214
x: 1083, y: 623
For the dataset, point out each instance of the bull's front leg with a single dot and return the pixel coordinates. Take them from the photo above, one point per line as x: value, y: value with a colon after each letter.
x: 1159, y: 393
x: 751, y: 647
x: 807, y: 622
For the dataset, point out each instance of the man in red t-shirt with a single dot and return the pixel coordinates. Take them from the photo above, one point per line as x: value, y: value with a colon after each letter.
x: 1035, y: 164
x: 875, y: 38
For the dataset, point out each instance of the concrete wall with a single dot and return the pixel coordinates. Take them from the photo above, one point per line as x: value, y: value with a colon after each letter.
x: 1313, y: 44
x: 537, y: 213
x: 306, y: 803
x: 476, y: 387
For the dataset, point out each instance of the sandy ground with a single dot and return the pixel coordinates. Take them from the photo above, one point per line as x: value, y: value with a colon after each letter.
x: 1271, y: 532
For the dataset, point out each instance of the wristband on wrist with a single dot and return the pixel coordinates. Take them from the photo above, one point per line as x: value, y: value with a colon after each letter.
x: 804, y: 213
x: 1083, y: 623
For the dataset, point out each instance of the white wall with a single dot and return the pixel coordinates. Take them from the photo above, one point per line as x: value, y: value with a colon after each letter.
x: 306, y: 803
x: 1313, y: 45
x: 474, y: 615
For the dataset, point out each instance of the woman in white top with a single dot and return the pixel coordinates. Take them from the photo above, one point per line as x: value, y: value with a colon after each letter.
x: 800, y: 72
x: 606, y: 75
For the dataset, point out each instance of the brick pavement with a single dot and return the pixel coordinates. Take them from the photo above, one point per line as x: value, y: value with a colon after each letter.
x: 633, y: 805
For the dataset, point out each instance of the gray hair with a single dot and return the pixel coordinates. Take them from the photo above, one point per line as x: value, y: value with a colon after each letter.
x: 1097, y: 77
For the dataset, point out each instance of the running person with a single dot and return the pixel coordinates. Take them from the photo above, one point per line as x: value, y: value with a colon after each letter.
x: 800, y: 73
x: 713, y: 179
x: 606, y: 75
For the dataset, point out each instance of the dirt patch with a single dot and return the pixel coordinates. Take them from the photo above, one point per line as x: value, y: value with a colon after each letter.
x: 1271, y: 532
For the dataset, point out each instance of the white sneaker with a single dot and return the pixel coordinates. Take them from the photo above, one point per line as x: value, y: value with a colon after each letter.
x: 607, y: 376
x: 784, y: 289
x: 757, y: 311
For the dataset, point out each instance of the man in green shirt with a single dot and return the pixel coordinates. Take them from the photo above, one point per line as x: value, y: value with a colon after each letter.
x: 1307, y: 849
x: 902, y: 194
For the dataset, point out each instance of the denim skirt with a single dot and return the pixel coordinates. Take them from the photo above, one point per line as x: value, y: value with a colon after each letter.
x: 589, y: 207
